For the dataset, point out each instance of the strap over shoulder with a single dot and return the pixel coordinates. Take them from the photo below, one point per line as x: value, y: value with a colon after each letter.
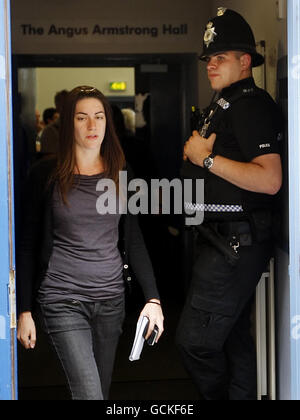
x: 226, y: 101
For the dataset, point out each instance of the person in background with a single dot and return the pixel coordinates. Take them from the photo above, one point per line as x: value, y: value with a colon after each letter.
x: 236, y: 152
x: 50, y: 115
x: 134, y: 148
x: 50, y: 136
x: 129, y: 119
x: 73, y: 256
x: 39, y: 125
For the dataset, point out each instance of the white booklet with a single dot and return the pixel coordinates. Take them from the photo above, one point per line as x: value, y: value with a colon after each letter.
x: 139, y: 339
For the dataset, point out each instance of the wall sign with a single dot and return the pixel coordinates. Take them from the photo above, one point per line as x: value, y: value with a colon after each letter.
x: 102, y: 30
x: 61, y: 36
x: 118, y: 86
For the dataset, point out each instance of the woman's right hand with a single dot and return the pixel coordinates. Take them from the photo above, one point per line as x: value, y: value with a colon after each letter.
x: 26, y: 330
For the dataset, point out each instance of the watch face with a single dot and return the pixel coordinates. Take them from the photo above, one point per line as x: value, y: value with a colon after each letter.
x: 208, y: 162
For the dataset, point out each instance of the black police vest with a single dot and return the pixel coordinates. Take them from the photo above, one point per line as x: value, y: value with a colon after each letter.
x: 223, y: 200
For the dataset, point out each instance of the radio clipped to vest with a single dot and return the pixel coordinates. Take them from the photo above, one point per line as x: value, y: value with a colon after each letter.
x: 200, y: 121
x: 197, y: 118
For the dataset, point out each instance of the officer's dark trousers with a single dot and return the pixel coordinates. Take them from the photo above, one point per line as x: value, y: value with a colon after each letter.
x: 213, y: 334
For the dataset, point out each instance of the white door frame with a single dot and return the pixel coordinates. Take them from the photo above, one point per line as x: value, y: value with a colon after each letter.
x: 8, y: 374
x: 294, y: 189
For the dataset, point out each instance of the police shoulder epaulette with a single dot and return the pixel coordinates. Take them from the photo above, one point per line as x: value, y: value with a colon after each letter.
x: 242, y: 93
x: 248, y: 91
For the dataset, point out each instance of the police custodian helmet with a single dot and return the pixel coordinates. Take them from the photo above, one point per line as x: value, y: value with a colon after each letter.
x: 229, y: 31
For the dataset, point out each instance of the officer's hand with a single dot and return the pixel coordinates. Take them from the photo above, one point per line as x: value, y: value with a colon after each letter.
x: 197, y: 148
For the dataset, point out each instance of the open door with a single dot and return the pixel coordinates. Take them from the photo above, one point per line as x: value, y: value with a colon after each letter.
x: 7, y: 272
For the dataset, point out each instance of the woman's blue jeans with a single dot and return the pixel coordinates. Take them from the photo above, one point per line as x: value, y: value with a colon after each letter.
x: 85, y: 337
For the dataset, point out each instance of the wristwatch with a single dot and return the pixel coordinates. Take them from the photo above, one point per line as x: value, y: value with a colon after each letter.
x: 209, y: 161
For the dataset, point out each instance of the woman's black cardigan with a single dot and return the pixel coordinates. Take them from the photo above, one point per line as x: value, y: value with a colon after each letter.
x: 37, y: 241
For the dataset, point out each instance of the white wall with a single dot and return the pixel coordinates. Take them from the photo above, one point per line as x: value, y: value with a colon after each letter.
x: 51, y: 80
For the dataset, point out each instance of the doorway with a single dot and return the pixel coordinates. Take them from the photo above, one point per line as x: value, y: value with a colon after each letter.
x: 168, y: 86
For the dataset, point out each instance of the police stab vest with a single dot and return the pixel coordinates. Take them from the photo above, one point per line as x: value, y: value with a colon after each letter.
x: 223, y: 200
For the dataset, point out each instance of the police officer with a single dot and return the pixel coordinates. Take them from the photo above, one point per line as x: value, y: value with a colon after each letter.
x: 236, y: 153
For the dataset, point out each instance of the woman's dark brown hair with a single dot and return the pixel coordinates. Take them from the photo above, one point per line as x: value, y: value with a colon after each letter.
x: 111, y: 151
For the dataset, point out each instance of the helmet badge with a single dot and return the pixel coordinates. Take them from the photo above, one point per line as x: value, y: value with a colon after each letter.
x: 210, y: 34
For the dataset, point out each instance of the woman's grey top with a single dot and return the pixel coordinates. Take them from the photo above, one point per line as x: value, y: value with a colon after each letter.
x: 85, y: 263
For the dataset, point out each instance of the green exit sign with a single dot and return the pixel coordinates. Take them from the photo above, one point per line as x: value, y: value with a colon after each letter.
x: 118, y: 86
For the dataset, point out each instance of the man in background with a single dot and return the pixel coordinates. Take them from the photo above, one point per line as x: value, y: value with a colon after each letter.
x: 50, y: 135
